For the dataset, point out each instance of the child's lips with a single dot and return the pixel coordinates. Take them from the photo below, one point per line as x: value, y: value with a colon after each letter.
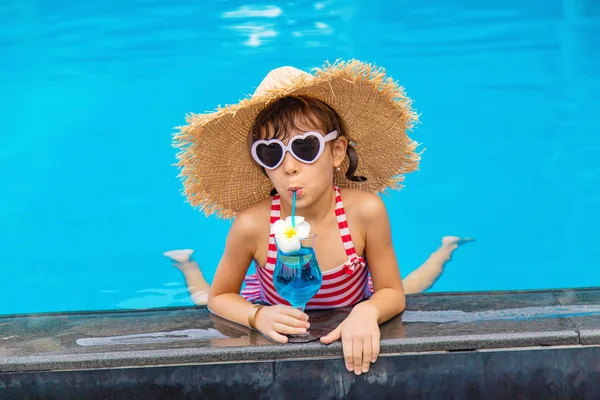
x: 299, y: 192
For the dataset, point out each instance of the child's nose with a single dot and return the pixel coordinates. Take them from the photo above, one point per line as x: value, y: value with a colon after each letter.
x: 290, y: 164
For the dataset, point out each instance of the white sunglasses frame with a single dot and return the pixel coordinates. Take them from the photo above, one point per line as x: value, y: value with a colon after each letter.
x: 288, y: 149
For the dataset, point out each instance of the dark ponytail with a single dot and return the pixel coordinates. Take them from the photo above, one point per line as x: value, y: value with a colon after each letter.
x: 353, y: 157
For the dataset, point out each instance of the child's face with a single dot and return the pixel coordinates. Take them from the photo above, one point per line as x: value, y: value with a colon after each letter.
x: 310, y: 181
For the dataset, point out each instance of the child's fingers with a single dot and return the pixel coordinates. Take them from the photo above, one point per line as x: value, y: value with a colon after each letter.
x: 375, y: 353
x: 332, y: 336
x: 357, y: 354
x: 367, y: 355
x: 291, y: 321
x: 294, y: 312
x: 288, y: 330
x: 277, y: 337
x: 348, y: 357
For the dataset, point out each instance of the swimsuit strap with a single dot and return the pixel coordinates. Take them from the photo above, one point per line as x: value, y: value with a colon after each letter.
x: 340, y: 214
x: 354, y: 261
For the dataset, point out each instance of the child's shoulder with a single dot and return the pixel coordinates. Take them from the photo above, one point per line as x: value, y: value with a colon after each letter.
x: 253, y: 218
x: 362, y: 203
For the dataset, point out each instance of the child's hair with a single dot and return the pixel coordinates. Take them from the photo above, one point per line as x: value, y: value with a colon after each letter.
x: 283, y: 114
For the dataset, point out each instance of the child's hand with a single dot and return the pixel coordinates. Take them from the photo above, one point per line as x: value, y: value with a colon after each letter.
x: 360, y: 338
x: 277, y: 321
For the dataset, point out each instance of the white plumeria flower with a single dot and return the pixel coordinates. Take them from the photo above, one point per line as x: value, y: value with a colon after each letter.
x: 287, y: 236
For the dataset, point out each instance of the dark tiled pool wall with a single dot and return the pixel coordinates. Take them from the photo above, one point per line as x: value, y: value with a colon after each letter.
x: 552, y: 373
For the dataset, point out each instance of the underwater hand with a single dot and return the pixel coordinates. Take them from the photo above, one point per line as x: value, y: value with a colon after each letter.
x: 277, y: 321
x: 360, y: 338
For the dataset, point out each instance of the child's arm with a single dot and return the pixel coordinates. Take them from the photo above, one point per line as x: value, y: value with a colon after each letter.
x: 224, y: 299
x: 388, y: 298
x: 360, y: 331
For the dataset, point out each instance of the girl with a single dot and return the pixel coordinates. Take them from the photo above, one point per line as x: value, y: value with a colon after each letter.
x: 295, y: 136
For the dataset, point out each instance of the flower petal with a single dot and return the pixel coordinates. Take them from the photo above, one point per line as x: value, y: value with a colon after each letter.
x: 298, y: 220
x: 302, y: 230
x: 288, y: 245
x: 279, y: 226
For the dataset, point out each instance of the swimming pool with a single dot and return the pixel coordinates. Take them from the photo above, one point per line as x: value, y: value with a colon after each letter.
x: 508, y: 93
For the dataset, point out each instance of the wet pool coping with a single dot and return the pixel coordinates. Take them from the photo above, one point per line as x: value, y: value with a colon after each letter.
x: 192, y: 336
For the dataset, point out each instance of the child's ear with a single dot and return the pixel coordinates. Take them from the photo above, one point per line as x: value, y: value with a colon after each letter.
x: 338, y: 149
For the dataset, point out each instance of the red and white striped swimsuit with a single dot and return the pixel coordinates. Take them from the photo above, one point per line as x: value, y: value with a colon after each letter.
x: 343, y: 286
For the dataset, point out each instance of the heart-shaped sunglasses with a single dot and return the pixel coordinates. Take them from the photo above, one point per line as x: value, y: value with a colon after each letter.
x: 306, y: 148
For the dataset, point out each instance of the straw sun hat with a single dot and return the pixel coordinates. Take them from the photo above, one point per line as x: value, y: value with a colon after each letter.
x: 219, y: 175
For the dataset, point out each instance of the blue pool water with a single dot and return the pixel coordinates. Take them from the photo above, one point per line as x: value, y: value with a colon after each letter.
x: 508, y: 92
